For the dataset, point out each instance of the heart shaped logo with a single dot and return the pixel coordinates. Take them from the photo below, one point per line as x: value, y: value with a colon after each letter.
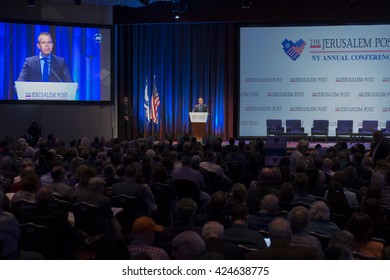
x: 293, y: 50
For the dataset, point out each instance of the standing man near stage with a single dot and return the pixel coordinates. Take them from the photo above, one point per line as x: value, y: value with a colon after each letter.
x: 125, y: 115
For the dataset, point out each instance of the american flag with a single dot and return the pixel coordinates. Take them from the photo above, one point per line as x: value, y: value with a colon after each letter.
x: 155, y: 105
x: 146, y: 103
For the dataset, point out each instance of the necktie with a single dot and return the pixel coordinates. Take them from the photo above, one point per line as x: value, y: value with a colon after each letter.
x: 45, y: 73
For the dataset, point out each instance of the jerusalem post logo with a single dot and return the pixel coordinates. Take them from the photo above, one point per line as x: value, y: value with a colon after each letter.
x: 293, y: 50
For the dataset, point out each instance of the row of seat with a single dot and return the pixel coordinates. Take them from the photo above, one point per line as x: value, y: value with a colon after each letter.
x: 321, y: 128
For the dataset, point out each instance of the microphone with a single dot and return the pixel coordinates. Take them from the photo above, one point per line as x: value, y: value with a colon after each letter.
x: 55, y: 74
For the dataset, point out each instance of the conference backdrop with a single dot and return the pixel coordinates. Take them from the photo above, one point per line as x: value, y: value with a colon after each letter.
x: 313, y: 72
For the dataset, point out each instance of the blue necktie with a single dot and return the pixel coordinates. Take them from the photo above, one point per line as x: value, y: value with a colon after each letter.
x: 45, y: 73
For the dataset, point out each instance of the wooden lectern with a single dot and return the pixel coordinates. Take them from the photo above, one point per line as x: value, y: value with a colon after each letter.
x: 198, y: 122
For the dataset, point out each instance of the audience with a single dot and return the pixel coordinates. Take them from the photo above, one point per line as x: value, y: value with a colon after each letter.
x: 79, y: 171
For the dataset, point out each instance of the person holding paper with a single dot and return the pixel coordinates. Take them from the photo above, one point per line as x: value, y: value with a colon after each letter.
x: 45, y: 67
x: 200, y: 107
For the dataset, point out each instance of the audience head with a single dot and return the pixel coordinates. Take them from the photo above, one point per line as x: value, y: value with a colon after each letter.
x: 96, y: 184
x: 279, y: 228
x: 319, y: 211
x: 270, y: 203
x: 303, y: 146
x: 301, y: 183
x: 186, y: 210
x: 30, y: 183
x: 299, y: 219
x: 266, y: 174
x: 239, y: 193
x: 286, y: 192
x: 360, y: 225
x: 239, y: 213
x: 44, y: 196
x: 187, y: 245
x: 212, y: 229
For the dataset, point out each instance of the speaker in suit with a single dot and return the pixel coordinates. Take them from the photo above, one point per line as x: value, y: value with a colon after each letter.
x: 201, y: 107
x: 45, y: 66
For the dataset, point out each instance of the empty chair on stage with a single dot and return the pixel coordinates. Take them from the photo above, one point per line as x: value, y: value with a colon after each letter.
x: 386, y: 130
x: 320, y: 128
x: 274, y: 127
x: 294, y: 127
x: 344, y: 128
x: 368, y: 127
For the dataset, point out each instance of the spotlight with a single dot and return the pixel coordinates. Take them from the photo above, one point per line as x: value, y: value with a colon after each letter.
x: 77, y: 2
x: 31, y: 3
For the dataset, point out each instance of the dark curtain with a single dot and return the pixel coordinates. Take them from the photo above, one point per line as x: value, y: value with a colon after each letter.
x: 185, y: 61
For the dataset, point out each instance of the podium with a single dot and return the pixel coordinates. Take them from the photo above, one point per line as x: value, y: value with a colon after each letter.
x: 198, y: 122
x: 46, y: 91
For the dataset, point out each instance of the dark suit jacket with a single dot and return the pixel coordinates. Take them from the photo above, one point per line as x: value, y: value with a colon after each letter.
x: 382, y: 151
x: 131, y: 188
x: 228, y: 250
x: 31, y: 71
x: 281, y: 250
x: 200, y: 108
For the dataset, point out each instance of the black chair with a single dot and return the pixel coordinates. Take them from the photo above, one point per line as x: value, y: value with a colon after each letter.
x: 36, y: 238
x: 164, y: 196
x: 324, y: 239
x: 86, y: 217
x: 21, y: 204
x: 320, y: 128
x: 61, y: 205
x: 187, y: 188
x: 344, y: 128
x: 386, y: 130
x: 274, y: 127
x: 129, y: 212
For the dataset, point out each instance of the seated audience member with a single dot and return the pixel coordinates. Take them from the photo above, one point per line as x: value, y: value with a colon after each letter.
x: 380, y: 179
x: 299, y: 219
x: 340, y: 246
x: 286, y: 196
x: 94, y: 195
x: 269, y: 205
x: 26, y: 167
x: 131, y: 187
x: 184, y: 220
x: 280, y: 248
x: 213, y: 235
x: 10, y: 234
x: 239, y: 233
x: 144, y: 233
x: 301, y: 185
x: 298, y: 154
x: 216, y: 211
x: 341, y: 179
x: 59, y: 186
x: 261, y: 188
x: 189, y: 245
x: 319, y: 220
x: 62, y: 236
x: 360, y: 225
x: 29, y: 185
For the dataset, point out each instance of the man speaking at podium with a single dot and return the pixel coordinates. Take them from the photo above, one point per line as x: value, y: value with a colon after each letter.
x: 200, y: 107
x: 45, y: 67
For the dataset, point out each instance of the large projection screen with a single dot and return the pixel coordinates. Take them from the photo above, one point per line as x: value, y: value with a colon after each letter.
x: 313, y: 72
